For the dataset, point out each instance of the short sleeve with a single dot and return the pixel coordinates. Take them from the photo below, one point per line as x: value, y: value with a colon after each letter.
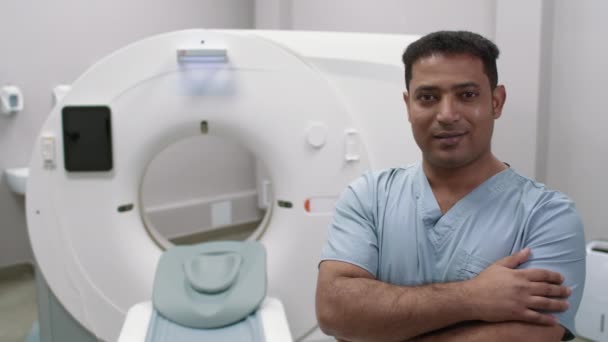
x: 352, y: 236
x: 557, y: 243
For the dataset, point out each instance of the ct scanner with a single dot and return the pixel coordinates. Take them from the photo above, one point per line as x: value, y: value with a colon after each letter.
x: 317, y: 108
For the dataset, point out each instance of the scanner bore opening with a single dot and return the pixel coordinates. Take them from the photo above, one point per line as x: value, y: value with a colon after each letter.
x: 205, y: 188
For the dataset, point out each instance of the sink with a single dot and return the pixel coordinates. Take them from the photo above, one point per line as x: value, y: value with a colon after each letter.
x: 17, y: 179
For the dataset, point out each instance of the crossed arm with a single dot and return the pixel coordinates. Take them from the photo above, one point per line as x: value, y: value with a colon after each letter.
x: 501, y: 304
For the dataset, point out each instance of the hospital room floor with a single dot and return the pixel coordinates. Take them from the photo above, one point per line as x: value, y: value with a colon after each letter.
x: 18, y: 307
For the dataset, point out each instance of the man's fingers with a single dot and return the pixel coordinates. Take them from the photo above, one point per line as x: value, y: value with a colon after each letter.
x: 548, y: 304
x: 535, y: 317
x: 541, y: 275
x: 515, y: 259
x: 549, y: 290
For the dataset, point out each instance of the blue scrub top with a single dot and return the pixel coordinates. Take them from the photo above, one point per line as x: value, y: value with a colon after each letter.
x: 389, y: 223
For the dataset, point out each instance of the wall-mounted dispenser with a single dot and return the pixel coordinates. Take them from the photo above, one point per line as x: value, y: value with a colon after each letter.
x: 11, y: 100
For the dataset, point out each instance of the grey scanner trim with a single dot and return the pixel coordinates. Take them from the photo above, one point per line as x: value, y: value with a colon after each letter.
x: 210, y: 285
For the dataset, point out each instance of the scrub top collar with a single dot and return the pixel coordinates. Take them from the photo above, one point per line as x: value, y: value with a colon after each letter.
x: 442, y: 224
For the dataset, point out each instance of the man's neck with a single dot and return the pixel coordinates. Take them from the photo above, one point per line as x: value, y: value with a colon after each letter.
x: 449, y: 185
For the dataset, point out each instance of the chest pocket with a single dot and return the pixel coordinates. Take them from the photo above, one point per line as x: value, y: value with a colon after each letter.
x: 466, y: 266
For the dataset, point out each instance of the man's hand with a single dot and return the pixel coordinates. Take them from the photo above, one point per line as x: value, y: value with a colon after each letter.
x: 502, y: 293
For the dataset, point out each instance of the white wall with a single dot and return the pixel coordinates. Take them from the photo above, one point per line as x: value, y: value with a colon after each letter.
x: 577, y: 158
x: 45, y: 43
x: 383, y: 16
x: 519, y: 35
x: 394, y: 16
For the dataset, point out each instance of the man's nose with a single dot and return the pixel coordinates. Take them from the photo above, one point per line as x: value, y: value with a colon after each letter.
x: 448, y: 111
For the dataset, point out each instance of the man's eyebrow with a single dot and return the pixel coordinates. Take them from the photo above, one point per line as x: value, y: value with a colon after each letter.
x: 465, y: 85
x: 431, y: 88
x: 426, y: 88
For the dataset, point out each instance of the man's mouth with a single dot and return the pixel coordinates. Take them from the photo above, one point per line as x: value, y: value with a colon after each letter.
x: 449, y: 138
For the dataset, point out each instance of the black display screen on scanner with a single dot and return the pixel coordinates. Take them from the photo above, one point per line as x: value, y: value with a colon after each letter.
x: 87, y: 138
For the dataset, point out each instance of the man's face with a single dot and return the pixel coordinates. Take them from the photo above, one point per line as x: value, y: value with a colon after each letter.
x: 452, y: 109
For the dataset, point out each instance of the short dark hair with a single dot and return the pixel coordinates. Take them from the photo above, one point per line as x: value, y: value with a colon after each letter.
x: 453, y: 42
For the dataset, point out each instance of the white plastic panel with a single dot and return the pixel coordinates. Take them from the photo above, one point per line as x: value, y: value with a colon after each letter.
x: 271, y: 311
x: 592, y: 316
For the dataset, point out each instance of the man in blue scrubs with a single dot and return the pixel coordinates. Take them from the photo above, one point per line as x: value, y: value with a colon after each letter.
x: 458, y: 247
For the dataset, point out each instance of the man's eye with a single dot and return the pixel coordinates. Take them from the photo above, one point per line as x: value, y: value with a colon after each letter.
x: 469, y: 95
x: 426, y: 97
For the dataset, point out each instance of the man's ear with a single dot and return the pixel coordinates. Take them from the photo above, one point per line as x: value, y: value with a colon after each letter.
x: 499, y: 96
x: 406, y: 98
